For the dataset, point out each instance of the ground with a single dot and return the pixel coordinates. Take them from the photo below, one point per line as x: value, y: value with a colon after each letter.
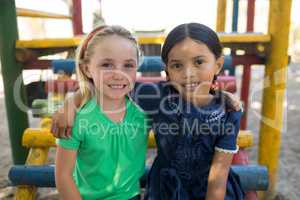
x: 288, y: 176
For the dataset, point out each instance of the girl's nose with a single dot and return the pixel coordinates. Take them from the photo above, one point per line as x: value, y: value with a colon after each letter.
x: 118, y: 74
x: 189, y: 72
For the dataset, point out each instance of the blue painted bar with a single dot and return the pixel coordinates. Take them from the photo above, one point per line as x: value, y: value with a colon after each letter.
x: 253, y: 177
x: 228, y: 64
x: 41, y: 176
x: 65, y: 65
x: 235, y: 15
x: 152, y: 64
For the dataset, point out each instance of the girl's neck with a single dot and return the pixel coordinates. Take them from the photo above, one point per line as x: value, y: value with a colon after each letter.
x: 204, y: 100
x: 111, y: 105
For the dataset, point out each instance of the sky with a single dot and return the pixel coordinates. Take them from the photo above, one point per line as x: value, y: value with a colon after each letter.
x: 132, y: 14
x: 142, y: 15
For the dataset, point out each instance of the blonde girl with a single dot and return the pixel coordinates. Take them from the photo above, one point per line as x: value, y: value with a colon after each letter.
x: 105, y: 156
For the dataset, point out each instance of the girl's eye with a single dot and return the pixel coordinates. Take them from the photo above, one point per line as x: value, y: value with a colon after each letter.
x: 129, y: 65
x: 199, y: 62
x: 107, y: 65
x: 176, y: 66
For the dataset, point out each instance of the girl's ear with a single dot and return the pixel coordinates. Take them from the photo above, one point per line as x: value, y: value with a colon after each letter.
x: 167, y: 74
x: 86, y: 70
x: 219, y: 63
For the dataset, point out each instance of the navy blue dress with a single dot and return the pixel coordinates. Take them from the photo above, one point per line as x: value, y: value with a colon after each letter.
x: 186, y: 138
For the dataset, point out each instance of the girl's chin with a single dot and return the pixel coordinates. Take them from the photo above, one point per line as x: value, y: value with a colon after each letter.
x: 116, y: 95
x: 193, y: 96
x: 113, y: 94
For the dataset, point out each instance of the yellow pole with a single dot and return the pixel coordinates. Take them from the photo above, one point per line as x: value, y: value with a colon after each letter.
x: 36, y: 156
x: 23, y: 12
x: 274, y: 91
x: 221, y: 16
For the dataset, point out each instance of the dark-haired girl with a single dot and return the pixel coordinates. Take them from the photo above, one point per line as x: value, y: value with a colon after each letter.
x: 195, y: 131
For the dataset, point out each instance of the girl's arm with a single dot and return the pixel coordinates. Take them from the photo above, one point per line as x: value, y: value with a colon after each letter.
x: 225, y: 148
x: 65, y: 161
x: 145, y: 95
x: 218, y: 174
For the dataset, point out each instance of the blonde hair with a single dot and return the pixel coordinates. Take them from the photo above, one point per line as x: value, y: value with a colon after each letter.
x: 86, y: 50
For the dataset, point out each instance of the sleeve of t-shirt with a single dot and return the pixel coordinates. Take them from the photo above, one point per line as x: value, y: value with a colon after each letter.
x: 227, y: 140
x: 76, y: 138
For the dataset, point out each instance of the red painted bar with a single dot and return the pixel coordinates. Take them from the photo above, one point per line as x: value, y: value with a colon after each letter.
x: 61, y: 86
x: 247, y: 67
x: 247, y: 60
x: 237, y: 60
x: 38, y: 64
x: 250, y: 15
x: 77, y: 17
x: 246, y: 79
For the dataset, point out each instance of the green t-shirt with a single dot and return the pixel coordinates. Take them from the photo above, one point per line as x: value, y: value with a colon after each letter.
x: 110, y: 156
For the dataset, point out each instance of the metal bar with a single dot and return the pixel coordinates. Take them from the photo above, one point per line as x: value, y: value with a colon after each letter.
x: 221, y: 15
x: 274, y: 91
x: 23, y: 12
x: 77, y: 17
x: 11, y: 72
x: 243, y: 38
x: 38, y: 64
x: 235, y: 15
x: 247, y: 68
x: 236, y: 60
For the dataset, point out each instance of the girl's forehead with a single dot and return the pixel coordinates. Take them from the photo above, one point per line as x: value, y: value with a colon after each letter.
x: 115, y: 46
x: 189, y: 46
x: 111, y: 41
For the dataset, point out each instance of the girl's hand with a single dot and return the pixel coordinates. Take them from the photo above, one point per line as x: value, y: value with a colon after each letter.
x: 62, y: 121
x: 232, y: 101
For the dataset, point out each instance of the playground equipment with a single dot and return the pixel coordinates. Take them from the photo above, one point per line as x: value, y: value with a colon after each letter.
x: 241, y: 157
x: 42, y: 138
x: 252, y: 177
x: 269, y: 49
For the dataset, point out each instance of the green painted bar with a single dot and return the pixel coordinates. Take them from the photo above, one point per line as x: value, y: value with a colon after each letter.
x: 17, y: 119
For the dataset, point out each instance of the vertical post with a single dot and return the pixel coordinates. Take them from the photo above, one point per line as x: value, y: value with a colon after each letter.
x: 247, y: 68
x: 274, y: 90
x: 235, y: 15
x: 221, y: 15
x: 234, y: 28
x: 77, y: 17
x: 11, y: 71
x: 250, y: 15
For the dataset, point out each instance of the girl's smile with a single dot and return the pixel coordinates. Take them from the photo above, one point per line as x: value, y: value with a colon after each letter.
x: 190, y: 87
x: 117, y: 86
